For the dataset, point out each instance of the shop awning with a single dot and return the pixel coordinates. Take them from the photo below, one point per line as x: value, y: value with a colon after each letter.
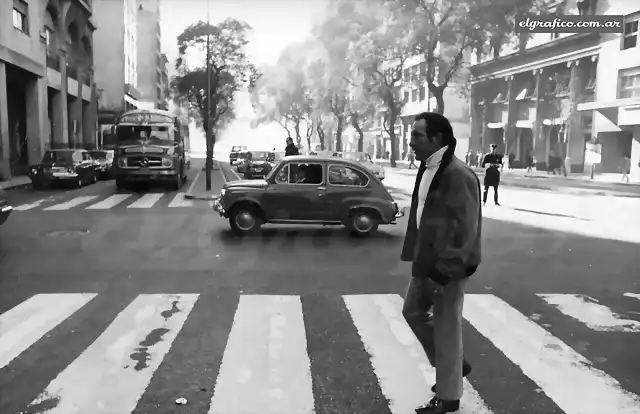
x: 522, y: 95
x: 495, y: 125
x: 524, y: 124
x: 618, y: 103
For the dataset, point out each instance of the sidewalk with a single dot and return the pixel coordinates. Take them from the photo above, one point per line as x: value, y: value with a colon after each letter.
x: 15, y: 183
x: 197, y: 189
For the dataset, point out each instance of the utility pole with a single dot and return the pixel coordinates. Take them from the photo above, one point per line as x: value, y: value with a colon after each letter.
x: 209, y: 160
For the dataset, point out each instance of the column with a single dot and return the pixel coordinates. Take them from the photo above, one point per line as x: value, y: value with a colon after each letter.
x: 5, y: 153
x: 60, y: 110
x: 574, y: 131
x: 476, y: 120
x: 539, y: 144
x: 89, y: 115
x: 78, y: 139
x: 37, y: 119
x: 484, y: 130
x: 512, y: 115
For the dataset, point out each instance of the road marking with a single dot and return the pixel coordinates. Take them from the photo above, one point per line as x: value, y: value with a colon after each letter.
x: 23, y: 325
x: 564, y: 375
x: 265, y: 366
x: 180, y: 201
x: 224, y: 179
x: 588, y: 311
x: 146, y: 201
x: 113, y: 372
x: 633, y: 295
x: 29, y: 206
x: 109, y: 202
x: 71, y: 203
x: 403, y: 370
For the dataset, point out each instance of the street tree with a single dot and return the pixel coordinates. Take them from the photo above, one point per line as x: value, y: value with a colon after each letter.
x: 230, y: 71
x: 379, y: 56
x: 447, y: 32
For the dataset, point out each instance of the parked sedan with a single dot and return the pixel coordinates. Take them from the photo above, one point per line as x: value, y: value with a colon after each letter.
x: 67, y: 166
x: 256, y: 164
x: 364, y: 159
x: 104, y: 161
x: 5, y: 211
x: 309, y: 190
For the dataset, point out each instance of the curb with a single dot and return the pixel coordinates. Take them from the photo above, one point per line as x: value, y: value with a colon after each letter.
x: 191, y: 196
x: 15, y: 187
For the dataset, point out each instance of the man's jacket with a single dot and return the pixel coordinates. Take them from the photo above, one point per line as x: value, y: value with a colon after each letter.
x: 446, y: 245
x: 291, y: 150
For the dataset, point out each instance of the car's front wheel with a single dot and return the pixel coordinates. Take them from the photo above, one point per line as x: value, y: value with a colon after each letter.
x: 245, y: 220
x: 363, y: 222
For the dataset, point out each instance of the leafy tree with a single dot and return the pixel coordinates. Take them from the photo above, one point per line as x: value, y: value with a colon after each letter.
x: 230, y: 71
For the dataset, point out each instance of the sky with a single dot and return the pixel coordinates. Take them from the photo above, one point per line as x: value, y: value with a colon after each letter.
x: 275, y: 23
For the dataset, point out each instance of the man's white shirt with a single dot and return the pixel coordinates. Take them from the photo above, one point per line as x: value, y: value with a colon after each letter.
x: 432, y: 163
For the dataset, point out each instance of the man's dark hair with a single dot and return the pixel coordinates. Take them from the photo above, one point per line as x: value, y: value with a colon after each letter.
x: 437, y: 123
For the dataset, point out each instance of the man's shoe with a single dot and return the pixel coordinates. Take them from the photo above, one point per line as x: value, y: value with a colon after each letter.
x: 466, y: 370
x: 439, y: 406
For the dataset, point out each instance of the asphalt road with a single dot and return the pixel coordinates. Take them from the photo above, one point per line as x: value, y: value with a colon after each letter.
x: 330, y: 345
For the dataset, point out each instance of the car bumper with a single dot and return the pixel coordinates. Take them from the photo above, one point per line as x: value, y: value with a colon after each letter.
x: 5, y: 212
x: 217, y: 206
x: 149, y: 175
x: 52, y: 177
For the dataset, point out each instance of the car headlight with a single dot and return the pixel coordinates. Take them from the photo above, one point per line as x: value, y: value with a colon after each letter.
x: 122, y: 162
x: 34, y: 171
x: 166, y: 162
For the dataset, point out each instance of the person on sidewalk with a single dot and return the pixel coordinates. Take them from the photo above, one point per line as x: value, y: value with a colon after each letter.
x: 626, y: 168
x: 492, y: 174
x: 443, y: 243
x: 412, y: 160
x: 290, y: 149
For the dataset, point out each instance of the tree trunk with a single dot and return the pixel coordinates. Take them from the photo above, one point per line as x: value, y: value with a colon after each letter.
x: 296, y: 127
x: 438, y: 93
x: 320, y: 133
x: 340, y: 120
x: 393, y: 117
x: 355, y: 123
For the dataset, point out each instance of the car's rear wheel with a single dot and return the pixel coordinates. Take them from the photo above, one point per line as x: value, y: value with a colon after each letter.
x: 245, y: 219
x: 363, y: 222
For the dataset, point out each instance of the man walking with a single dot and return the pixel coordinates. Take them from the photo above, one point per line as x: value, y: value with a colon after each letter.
x: 492, y: 174
x: 290, y: 149
x: 443, y: 244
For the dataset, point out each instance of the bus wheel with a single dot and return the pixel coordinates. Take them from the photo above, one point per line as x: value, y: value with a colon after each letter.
x: 121, y: 184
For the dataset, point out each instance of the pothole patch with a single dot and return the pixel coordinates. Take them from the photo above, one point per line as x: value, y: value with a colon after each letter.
x: 67, y: 233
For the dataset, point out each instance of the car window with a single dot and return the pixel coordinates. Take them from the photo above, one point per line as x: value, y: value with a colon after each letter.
x: 283, y: 175
x: 79, y: 156
x: 86, y: 156
x: 305, y: 174
x: 343, y: 175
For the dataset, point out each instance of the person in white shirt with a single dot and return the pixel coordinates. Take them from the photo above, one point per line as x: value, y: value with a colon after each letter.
x: 443, y: 243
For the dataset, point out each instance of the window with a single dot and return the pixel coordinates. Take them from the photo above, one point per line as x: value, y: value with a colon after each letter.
x: 414, y: 95
x: 21, y: 16
x: 406, y: 96
x: 342, y: 175
x: 630, y: 35
x: 423, y: 94
x: 292, y: 173
x: 48, y: 35
x: 629, y: 83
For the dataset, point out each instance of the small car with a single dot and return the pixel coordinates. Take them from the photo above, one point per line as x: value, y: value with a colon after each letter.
x: 309, y: 190
x: 364, y: 159
x: 104, y: 161
x: 5, y: 211
x: 235, y: 152
x: 70, y: 166
x: 256, y: 164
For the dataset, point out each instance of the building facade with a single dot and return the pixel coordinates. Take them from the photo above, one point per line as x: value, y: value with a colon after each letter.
x: 47, y: 88
x: 117, y: 63
x: 152, y: 63
x: 571, y: 101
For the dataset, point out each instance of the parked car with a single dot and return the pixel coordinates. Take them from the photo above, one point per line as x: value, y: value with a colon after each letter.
x: 255, y: 164
x: 309, y: 190
x: 5, y: 211
x: 67, y: 166
x: 364, y: 159
x: 235, y: 152
x: 104, y: 161
x: 275, y: 157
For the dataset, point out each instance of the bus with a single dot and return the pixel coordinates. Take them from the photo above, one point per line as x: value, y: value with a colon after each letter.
x: 150, y: 146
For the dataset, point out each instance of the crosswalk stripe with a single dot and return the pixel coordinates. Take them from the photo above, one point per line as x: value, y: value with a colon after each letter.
x: 265, y: 367
x: 23, y: 325
x: 29, y: 206
x: 109, y: 202
x: 180, y: 201
x: 113, y: 372
x: 402, y: 368
x: 586, y: 310
x: 564, y: 375
x: 74, y: 202
x: 146, y: 201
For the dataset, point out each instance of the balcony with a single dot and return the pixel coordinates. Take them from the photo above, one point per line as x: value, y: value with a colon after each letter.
x: 53, y: 61
x: 72, y: 71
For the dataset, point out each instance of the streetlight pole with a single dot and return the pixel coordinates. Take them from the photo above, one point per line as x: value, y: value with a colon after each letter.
x: 209, y: 160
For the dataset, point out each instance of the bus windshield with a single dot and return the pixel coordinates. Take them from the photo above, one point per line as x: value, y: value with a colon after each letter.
x: 161, y: 133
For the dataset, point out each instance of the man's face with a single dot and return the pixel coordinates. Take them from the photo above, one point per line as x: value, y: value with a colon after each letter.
x: 422, y: 145
x: 289, y: 141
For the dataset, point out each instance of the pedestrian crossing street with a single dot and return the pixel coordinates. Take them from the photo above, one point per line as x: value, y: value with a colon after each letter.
x: 266, y: 365
x: 99, y: 202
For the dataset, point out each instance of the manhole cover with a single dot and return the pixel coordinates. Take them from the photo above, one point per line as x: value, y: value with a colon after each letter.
x: 68, y: 233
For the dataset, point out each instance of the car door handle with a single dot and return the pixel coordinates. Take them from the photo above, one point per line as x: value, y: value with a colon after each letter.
x: 321, y: 188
